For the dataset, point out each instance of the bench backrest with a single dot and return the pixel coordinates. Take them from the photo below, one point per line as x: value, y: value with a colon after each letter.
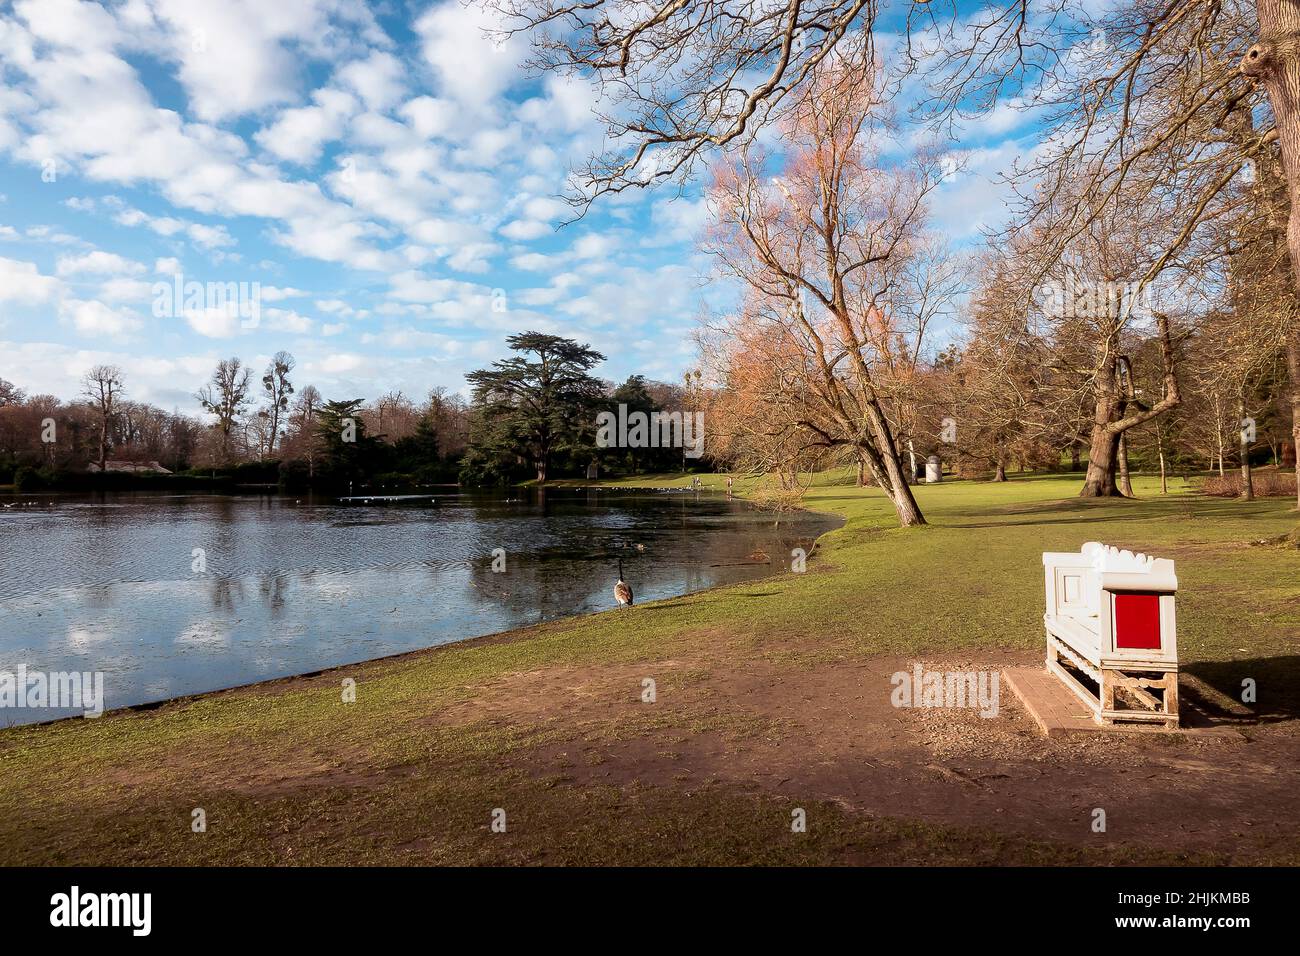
x: 1073, y: 589
x: 1126, y: 599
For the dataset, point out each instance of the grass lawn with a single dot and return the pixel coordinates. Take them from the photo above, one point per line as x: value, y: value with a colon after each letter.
x: 769, y: 699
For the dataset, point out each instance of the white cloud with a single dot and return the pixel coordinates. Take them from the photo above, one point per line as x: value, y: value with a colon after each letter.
x: 430, y: 116
x: 208, y: 237
x: 21, y: 282
x: 533, y: 262
x: 272, y: 293
x: 472, y: 257
x: 523, y: 230
x: 472, y: 67
x: 126, y: 290
x: 676, y: 219
x: 378, y: 79
x: 94, y: 318
x: 341, y: 362
x: 98, y: 263
x: 299, y: 134
x: 233, y: 55
x: 94, y: 114
x: 214, y: 323
x: 594, y: 245
x: 286, y: 320
x: 567, y: 105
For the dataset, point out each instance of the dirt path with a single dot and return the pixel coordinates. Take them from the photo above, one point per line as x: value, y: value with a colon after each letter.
x: 829, y: 732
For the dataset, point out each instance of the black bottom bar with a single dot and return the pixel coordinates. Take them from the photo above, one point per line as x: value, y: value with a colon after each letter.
x: 941, y: 905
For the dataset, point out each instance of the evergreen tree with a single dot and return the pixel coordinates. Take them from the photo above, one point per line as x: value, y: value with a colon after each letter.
x: 346, y: 454
x: 535, y: 406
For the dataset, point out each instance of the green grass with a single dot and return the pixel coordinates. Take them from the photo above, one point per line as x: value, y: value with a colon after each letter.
x: 288, y: 773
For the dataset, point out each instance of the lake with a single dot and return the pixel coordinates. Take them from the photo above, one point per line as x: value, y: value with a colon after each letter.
x: 174, y: 595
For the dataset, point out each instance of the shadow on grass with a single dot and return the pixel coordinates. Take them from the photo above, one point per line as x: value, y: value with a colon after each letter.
x: 1099, y: 510
x: 1277, y: 685
x: 703, y: 601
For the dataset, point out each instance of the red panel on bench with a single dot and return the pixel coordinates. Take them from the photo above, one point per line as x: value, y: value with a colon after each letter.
x: 1137, y: 620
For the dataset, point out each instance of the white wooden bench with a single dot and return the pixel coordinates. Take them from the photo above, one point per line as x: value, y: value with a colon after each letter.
x: 1110, y: 623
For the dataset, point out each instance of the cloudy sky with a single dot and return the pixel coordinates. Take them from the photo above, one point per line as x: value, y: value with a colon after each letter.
x: 384, y: 172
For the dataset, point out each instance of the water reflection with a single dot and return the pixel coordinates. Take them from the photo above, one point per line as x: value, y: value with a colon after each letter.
x: 107, y: 583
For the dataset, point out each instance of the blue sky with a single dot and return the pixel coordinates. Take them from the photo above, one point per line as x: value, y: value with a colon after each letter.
x: 385, y: 173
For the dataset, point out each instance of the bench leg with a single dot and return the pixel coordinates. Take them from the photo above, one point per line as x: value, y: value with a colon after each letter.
x: 1171, y: 700
x: 1107, y: 691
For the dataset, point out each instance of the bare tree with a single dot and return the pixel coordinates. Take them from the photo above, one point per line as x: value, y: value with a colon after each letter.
x: 277, y: 388
x: 449, y: 414
x: 999, y: 387
x: 102, y: 386
x: 10, y: 394
x: 302, y: 422
x: 827, y: 250
x: 686, y: 77
x: 392, y: 417
x: 226, y: 397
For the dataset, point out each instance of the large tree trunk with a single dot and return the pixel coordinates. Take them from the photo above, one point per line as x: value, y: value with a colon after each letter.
x: 892, y: 480
x: 1099, y: 482
x: 1110, y: 421
x: 1275, y: 62
x: 1103, y: 447
x: 909, y: 512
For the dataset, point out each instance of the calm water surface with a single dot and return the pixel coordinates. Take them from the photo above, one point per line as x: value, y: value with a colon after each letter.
x: 296, y: 585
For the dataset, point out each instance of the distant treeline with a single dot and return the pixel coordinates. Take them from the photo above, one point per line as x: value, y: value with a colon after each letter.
x: 533, y: 416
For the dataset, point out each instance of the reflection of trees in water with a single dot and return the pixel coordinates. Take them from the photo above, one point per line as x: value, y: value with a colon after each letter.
x: 274, y: 587
x: 102, y: 546
x: 101, y: 596
x: 226, y: 592
x: 224, y: 531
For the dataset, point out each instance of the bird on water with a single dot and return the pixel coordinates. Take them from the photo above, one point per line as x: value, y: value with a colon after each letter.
x: 622, y: 590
